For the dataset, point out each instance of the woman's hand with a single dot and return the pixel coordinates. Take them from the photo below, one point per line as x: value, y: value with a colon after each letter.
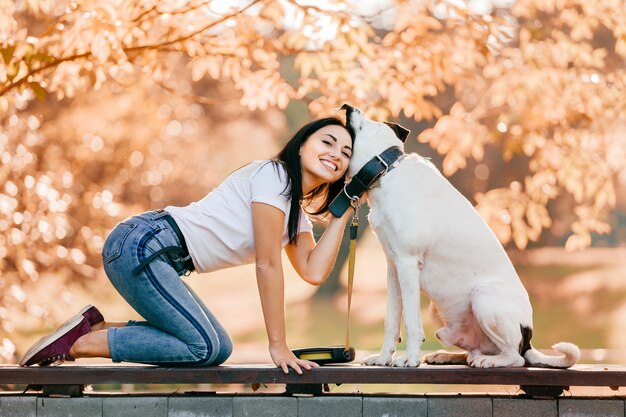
x: 284, y: 359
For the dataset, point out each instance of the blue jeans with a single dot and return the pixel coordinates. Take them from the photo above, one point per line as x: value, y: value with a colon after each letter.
x: 179, y: 329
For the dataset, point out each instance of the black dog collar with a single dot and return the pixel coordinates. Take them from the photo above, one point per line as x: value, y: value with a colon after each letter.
x: 372, y: 171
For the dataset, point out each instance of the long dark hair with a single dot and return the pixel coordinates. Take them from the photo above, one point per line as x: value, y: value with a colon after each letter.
x: 289, y: 157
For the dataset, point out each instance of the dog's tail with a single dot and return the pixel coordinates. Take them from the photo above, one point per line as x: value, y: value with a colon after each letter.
x: 570, y: 353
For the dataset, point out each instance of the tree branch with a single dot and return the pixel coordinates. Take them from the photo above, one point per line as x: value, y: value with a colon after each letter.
x: 53, y: 64
x: 188, y: 9
x: 194, y: 97
x: 140, y: 16
x: 192, y: 34
x: 34, y: 71
x: 365, y: 18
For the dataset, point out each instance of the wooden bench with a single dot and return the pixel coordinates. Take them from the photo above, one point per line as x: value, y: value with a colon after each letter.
x: 70, y: 379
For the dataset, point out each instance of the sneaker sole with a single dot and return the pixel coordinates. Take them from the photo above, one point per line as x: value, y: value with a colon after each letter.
x: 47, y: 340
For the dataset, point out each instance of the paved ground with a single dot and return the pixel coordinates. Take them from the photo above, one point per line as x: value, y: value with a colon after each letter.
x: 324, y: 406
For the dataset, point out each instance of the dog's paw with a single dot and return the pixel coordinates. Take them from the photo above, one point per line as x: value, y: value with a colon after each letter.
x: 436, y: 358
x: 406, y: 361
x: 482, y: 361
x: 496, y: 361
x: 378, y: 360
x: 442, y: 357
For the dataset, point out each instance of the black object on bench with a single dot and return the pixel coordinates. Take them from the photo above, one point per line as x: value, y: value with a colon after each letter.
x: 70, y: 379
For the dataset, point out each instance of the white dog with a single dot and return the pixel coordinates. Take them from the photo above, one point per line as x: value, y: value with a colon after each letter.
x: 436, y: 242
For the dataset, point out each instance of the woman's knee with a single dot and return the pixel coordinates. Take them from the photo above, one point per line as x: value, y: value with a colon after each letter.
x: 225, y: 350
x: 213, y: 354
x: 202, y: 351
x: 211, y: 348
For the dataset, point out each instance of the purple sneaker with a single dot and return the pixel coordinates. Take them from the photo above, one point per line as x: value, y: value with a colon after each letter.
x: 55, y: 347
x: 92, y: 314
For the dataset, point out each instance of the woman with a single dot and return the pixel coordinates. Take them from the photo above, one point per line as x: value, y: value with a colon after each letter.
x: 250, y: 217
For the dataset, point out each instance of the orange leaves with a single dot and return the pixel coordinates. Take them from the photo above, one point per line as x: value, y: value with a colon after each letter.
x: 409, y: 98
x: 357, y: 40
x: 100, y: 46
x: 8, y: 24
x: 544, y: 80
x: 414, y: 21
x: 554, y: 99
x: 514, y: 213
x: 39, y: 6
x: 588, y: 221
x: 273, y: 11
x: 38, y: 90
x: 334, y: 60
x: 579, y: 169
x: 457, y: 136
x: 209, y: 65
x: 312, y: 64
x: 262, y: 89
x: 569, y: 162
x: 295, y: 40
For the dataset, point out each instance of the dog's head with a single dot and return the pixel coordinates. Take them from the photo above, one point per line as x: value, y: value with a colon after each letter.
x: 370, y: 137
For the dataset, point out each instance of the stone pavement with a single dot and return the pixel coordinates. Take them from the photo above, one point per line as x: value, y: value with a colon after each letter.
x: 266, y: 405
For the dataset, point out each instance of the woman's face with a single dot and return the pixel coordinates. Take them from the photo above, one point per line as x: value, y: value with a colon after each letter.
x: 325, y: 156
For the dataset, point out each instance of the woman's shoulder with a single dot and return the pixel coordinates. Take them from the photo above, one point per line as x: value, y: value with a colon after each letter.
x: 263, y: 172
x: 269, y: 169
x: 250, y: 169
x: 269, y: 184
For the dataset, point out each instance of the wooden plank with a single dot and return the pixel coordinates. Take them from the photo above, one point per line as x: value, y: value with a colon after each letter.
x: 579, y: 375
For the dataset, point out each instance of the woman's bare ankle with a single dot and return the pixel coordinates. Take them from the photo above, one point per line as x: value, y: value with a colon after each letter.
x: 78, y: 346
x: 99, y: 326
x: 91, y: 345
x: 108, y: 324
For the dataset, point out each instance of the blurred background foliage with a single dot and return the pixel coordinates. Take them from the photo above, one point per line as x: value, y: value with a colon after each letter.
x: 112, y: 107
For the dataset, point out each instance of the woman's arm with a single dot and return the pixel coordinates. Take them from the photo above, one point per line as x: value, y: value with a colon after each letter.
x: 268, y: 222
x: 313, y: 262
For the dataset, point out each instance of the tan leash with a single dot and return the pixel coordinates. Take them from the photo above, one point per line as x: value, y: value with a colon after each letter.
x: 354, y: 225
x: 323, y: 355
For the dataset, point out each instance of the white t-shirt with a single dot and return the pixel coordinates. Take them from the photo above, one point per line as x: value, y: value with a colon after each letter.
x: 218, y: 228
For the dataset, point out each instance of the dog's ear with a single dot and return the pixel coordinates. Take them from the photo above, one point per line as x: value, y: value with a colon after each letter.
x: 401, y: 132
x: 345, y: 106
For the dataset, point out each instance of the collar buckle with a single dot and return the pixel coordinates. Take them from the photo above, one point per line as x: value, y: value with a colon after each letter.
x: 365, y: 179
x: 382, y: 161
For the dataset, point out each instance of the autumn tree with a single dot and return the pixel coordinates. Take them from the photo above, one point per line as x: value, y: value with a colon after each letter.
x: 545, y: 80
x: 553, y: 94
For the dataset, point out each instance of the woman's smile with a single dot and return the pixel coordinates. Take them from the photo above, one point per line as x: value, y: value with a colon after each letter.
x: 329, y: 164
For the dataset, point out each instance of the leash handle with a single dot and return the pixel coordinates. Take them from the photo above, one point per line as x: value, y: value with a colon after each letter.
x: 354, y: 225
